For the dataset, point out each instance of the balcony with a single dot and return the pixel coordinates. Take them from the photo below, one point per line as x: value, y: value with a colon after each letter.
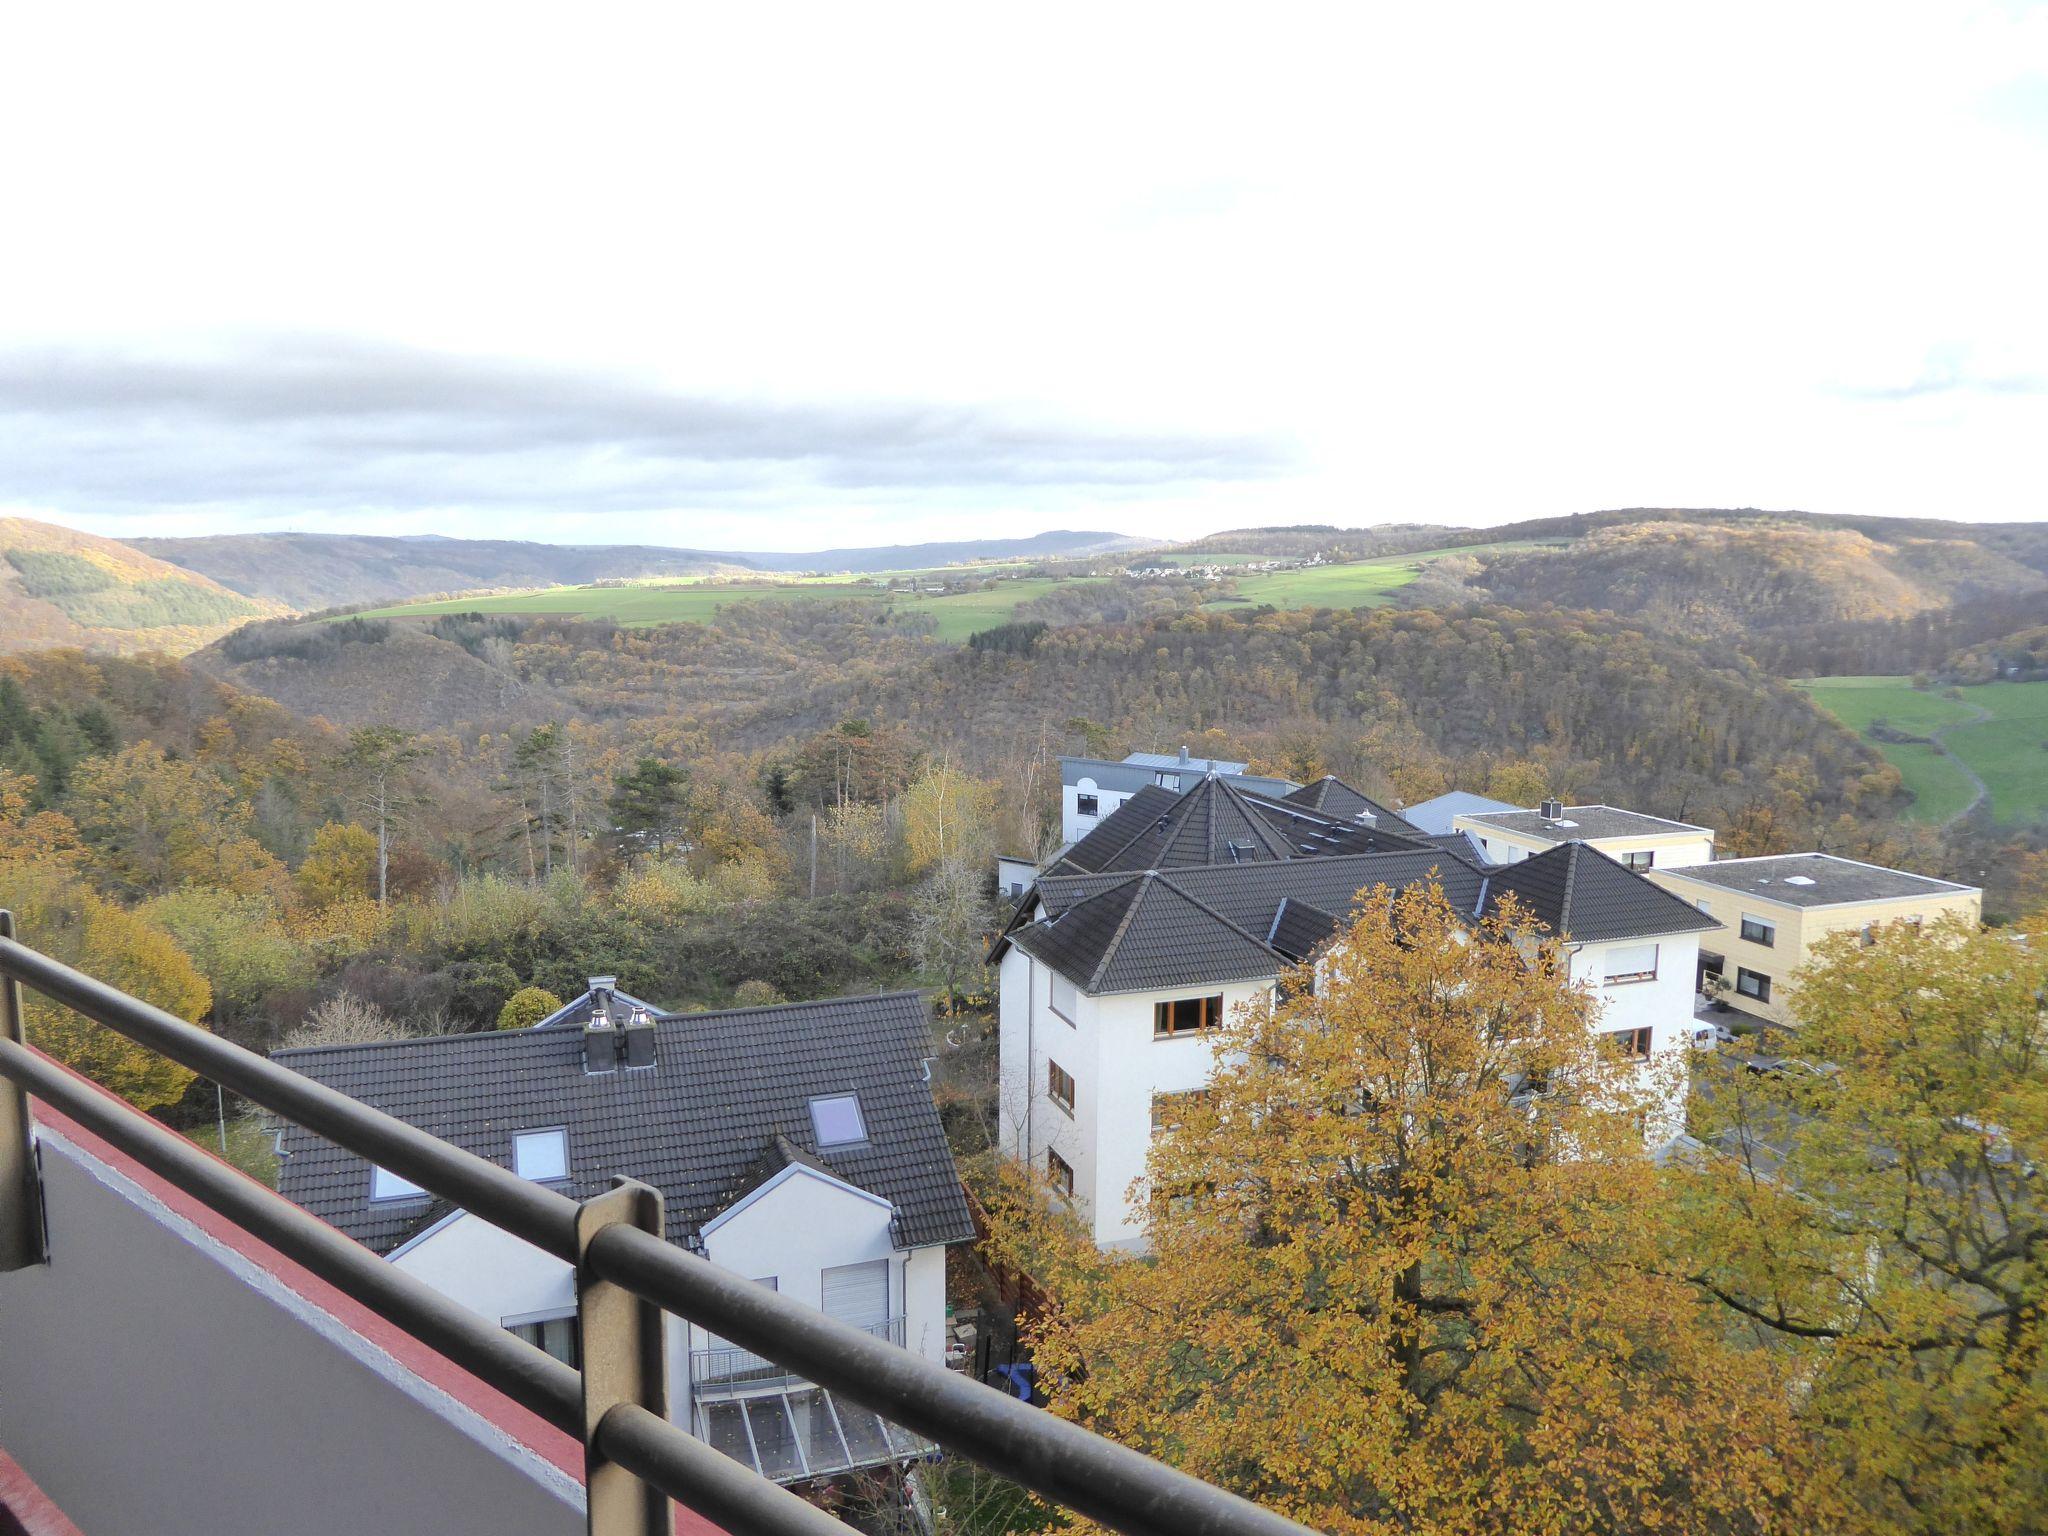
x: 790, y: 1430
x: 183, y: 1352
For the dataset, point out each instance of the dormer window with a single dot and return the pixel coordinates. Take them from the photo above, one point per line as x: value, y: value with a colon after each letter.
x: 837, y: 1120
x: 542, y: 1156
x: 386, y: 1185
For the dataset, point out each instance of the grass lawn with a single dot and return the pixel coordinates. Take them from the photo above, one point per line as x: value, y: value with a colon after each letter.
x: 2010, y: 750
x: 2007, y: 751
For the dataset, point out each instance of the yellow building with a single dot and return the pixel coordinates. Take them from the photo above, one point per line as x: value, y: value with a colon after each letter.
x: 1630, y: 838
x: 1773, y: 910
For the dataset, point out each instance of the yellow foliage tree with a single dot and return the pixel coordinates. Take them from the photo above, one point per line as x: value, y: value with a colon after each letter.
x: 57, y: 915
x: 47, y: 839
x: 947, y: 814
x: 1400, y: 1277
x: 156, y: 822
x: 1884, y: 1223
x: 340, y: 865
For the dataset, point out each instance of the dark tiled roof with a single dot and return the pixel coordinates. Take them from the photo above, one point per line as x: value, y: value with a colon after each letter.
x: 1333, y: 797
x: 1583, y: 823
x: 1116, y: 830
x: 1831, y: 879
x: 1298, y: 929
x: 1220, y: 822
x: 1140, y: 934
x: 728, y: 1091
x: 1208, y: 933
x: 1578, y: 893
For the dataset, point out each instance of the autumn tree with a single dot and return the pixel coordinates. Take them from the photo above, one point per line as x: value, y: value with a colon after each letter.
x: 1400, y: 1278
x: 377, y: 769
x: 340, y: 865
x: 154, y: 822
x: 947, y: 815
x: 1884, y: 1224
x: 58, y: 915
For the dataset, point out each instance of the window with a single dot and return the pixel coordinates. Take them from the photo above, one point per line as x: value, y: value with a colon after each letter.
x: 1059, y: 1083
x: 837, y: 1120
x: 556, y: 1335
x: 1631, y: 962
x: 1167, y: 1107
x: 1753, y: 984
x: 1630, y: 1042
x: 1186, y: 1016
x: 1064, y: 1001
x: 1086, y: 805
x: 386, y: 1185
x: 1757, y: 931
x: 1059, y: 1173
x: 541, y: 1155
x: 1641, y: 861
x: 1168, y: 780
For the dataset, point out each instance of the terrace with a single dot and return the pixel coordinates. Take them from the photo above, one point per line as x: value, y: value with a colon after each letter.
x: 184, y: 1351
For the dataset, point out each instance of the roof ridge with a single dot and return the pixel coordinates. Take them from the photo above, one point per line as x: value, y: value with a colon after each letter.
x: 1202, y: 906
x: 1571, y: 876
x: 1123, y: 927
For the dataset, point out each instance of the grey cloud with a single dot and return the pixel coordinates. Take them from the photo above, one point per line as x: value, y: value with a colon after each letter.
x: 298, y: 422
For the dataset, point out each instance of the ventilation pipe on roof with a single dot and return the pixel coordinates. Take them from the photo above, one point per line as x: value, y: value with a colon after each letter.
x: 637, y: 1039
x: 600, y: 1034
x: 1184, y: 758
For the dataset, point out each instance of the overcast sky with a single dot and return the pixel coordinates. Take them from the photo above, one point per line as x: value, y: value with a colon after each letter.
x: 753, y: 276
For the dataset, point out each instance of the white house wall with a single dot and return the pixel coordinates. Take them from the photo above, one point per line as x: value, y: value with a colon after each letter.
x: 1107, y: 1047
x: 490, y: 1271
x: 1664, y: 1006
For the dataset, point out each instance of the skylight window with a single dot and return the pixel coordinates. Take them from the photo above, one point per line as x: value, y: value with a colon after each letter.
x: 541, y: 1155
x: 837, y: 1120
x: 1799, y: 879
x: 386, y: 1185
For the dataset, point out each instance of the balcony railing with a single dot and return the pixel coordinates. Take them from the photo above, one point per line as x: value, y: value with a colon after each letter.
x: 729, y: 1371
x: 627, y: 1275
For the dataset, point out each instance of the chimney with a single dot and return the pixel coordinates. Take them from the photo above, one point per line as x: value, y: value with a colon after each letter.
x: 600, y: 1034
x: 1553, y: 810
x: 637, y: 1039
x: 1184, y: 758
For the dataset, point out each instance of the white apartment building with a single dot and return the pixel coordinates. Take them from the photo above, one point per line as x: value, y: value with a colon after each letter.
x: 1148, y: 933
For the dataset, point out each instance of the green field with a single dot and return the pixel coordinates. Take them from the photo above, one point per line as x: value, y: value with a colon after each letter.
x: 1353, y: 584
x: 2008, y: 750
x: 687, y: 600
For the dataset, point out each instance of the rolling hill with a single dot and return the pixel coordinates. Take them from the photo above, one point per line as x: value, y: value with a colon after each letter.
x: 62, y: 587
x: 311, y: 571
x: 1725, y: 580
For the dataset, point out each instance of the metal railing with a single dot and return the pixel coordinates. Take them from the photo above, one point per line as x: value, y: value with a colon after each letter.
x: 726, y: 1370
x: 627, y: 1275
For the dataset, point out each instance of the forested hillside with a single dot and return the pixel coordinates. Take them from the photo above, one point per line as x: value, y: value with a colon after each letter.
x: 62, y: 587
x: 313, y: 571
x: 1732, y: 581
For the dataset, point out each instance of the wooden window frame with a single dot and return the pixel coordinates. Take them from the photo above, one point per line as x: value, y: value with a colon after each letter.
x: 1059, y: 1173
x: 1057, y: 1076
x: 1632, y: 1043
x: 1209, y: 1014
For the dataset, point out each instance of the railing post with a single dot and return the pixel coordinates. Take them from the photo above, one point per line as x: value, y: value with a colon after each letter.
x: 21, y: 1189
x: 624, y: 1361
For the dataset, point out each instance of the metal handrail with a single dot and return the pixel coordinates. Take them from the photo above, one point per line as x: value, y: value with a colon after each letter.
x: 1108, y: 1483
